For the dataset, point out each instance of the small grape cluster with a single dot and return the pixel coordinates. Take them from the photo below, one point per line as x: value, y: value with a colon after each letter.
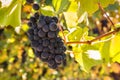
x: 47, y: 45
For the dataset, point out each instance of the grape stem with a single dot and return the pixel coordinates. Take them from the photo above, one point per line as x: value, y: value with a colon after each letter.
x: 103, y: 12
x: 97, y: 38
x: 60, y: 27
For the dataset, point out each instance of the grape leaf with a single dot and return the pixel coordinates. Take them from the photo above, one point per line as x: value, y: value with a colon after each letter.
x: 91, y: 5
x: 84, y: 18
x: 104, y: 50
x: 71, y: 19
x: 60, y: 5
x: 47, y: 10
x: 115, y: 46
x: 87, y: 59
x: 116, y: 58
x: 76, y: 33
x: 11, y: 15
x: 72, y: 7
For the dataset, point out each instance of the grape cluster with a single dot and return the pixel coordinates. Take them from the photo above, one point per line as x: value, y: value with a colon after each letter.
x: 47, y: 45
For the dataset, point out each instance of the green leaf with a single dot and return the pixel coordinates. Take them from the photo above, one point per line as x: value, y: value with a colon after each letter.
x: 60, y: 5
x: 91, y: 5
x: 104, y: 50
x: 71, y: 19
x: 75, y: 34
x: 47, y: 10
x: 11, y: 15
x: 87, y: 59
x: 84, y: 18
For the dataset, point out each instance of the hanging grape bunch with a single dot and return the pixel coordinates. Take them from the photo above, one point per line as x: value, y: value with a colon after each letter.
x: 43, y: 34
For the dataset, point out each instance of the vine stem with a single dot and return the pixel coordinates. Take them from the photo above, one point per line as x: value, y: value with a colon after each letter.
x: 97, y: 38
x: 103, y: 11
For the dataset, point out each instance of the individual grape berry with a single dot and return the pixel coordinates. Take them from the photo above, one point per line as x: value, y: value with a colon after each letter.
x: 55, y: 19
x: 48, y: 19
x: 29, y: 1
x: 34, y: 44
x: 44, y: 55
x: 36, y: 37
x: 51, y: 62
x: 34, y: 25
x: 32, y: 19
x: 51, y: 34
x: 45, y: 28
x: 52, y: 40
x: 58, y: 58
x: 30, y: 31
x: 36, y: 6
x: 36, y: 31
x: 39, y: 48
x: 45, y: 42
x: 41, y: 23
x: 46, y: 49
x: 36, y: 15
x: 41, y: 33
x: 40, y: 40
x: 53, y: 26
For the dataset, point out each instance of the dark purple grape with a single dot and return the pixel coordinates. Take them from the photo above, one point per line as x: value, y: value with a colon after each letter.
x: 58, y: 58
x: 41, y: 33
x: 52, y: 40
x: 36, y: 37
x: 45, y: 42
x: 46, y: 49
x: 30, y: 31
x: 36, y: 15
x: 34, y: 44
x: 53, y: 26
x: 39, y: 48
x: 32, y: 19
x: 48, y: 19
x: 51, y: 34
x: 45, y: 28
x: 44, y: 55
x: 36, y: 6
x: 40, y: 40
x: 41, y: 23
x: 36, y: 31
x: 51, y: 62
x: 55, y: 19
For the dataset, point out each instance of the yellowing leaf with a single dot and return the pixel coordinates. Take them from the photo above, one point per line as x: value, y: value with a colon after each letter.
x: 73, y: 6
x: 115, y: 46
x: 71, y: 19
x: 116, y: 58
